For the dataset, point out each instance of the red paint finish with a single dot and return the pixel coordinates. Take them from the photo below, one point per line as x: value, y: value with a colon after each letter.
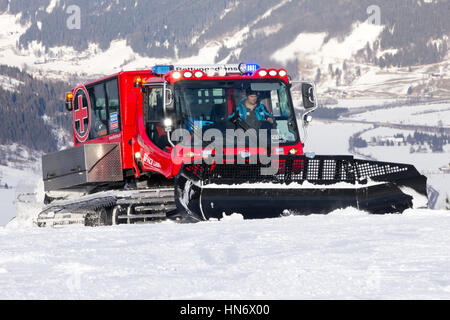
x: 129, y: 99
x: 132, y: 136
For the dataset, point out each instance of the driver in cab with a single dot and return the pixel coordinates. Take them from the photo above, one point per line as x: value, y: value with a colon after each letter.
x: 251, y: 111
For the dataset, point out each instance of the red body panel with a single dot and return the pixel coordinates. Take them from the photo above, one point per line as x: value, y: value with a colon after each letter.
x: 133, y: 138
x: 130, y: 98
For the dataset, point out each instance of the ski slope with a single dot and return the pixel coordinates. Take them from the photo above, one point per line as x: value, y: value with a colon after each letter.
x: 345, y: 255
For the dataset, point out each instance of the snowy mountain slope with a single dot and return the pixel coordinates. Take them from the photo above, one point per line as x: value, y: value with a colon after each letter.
x: 346, y: 255
x: 334, y: 43
x: 318, y: 49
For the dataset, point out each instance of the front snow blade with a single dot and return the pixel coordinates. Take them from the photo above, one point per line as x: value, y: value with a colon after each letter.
x: 301, y: 185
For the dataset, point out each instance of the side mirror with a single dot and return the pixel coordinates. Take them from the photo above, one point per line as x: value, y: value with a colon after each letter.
x: 308, y: 95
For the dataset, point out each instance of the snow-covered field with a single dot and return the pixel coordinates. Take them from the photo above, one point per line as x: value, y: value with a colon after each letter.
x: 346, y: 255
x: 324, y: 137
x: 360, y: 102
x: 8, y: 205
x: 427, y: 114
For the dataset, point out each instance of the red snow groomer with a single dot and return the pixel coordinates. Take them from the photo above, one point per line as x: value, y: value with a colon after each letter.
x: 192, y: 143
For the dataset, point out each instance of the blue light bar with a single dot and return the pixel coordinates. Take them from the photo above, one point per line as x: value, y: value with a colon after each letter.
x: 162, y: 69
x: 251, y: 67
x: 247, y: 68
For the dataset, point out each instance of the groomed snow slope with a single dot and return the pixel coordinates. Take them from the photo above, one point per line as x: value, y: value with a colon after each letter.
x: 348, y: 255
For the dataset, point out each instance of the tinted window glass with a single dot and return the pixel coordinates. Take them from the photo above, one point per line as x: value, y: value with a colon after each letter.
x: 99, y: 118
x: 112, y: 92
x: 153, y: 114
x: 222, y: 105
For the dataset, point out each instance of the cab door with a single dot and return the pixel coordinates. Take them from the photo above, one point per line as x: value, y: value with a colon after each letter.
x: 156, y: 155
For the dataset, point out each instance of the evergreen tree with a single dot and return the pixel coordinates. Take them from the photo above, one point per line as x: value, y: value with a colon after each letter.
x: 22, y: 111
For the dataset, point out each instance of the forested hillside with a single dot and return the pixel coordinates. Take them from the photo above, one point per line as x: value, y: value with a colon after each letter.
x: 415, y: 30
x: 412, y: 33
x: 24, y: 107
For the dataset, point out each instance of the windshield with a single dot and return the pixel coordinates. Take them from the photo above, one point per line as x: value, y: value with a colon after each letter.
x: 237, y: 104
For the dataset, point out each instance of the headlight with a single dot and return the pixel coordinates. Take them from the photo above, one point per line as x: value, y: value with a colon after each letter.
x: 187, y: 74
x: 272, y: 73
x: 262, y: 73
x: 282, y: 73
x: 176, y: 75
x: 198, y: 74
x: 167, y: 122
x: 137, y: 155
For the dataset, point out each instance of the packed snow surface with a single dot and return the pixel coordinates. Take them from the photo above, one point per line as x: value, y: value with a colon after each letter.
x: 344, y: 255
x: 8, y: 207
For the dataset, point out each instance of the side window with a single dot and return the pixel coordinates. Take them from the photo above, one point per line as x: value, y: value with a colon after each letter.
x: 99, y: 118
x: 275, y: 103
x: 285, y: 111
x: 112, y: 93
x: 155, y: 103
x: 105, y: 109
x: 152, y: 119
x: 279, y: 103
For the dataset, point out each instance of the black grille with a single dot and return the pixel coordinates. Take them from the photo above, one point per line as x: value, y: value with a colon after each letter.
x: 317, y: 170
